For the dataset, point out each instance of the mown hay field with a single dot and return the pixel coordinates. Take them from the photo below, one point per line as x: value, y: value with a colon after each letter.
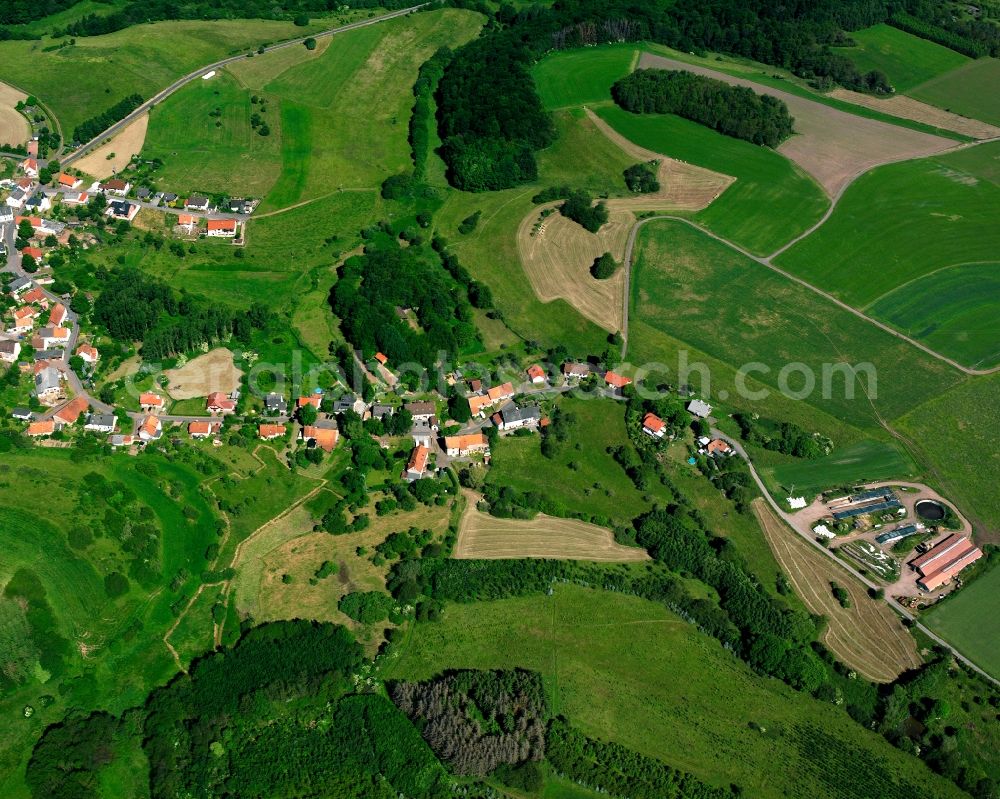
x: 482, y: 536
x: 627, y: 670
x: 14, y: 128
x: 906, y: 59
x: 116, y: 153
x: 867, y: 636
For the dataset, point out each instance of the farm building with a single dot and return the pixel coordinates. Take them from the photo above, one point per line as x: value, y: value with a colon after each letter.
x: 37, y: 429
x: 72, y: 410
x: 459, y: 446
x: 898, y: 533
x: 945, y: 560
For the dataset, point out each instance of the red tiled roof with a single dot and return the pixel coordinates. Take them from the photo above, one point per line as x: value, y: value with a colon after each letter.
x: 58, y: 314
x: 382, y: 359
x: 718, y: 445
x: 149, y: 398
x: 70, y: 412
x: 463, y: 443
x: 222, y: 224
x: 34, y: 252
x: 325, y: 437
x: 199, y: 428
x: 535, y: 371
x: 313, y: 399
x: 271, y: 430
x: 653, y: 422
x: 616, y: 380
x: 418, y: 459
x: 46, y: 428
x: 501, y: 392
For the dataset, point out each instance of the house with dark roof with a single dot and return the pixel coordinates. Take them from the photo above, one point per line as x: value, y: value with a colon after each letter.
x: 276, y: 404
x: 122, y: 210
x: 101, y: 423
x: 514, y: 418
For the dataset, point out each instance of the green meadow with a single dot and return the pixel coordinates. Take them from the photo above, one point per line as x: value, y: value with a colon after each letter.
x: 953, y: 311
x: 771, y: 202
x: 859, y: 462
x: 970, y: 90
x: 570, y: 78
x: 907, y: 59
x: 717, y: 300
x: 628, y: 670
x: 84, y: 79
x: 903, y: 221
x: 969, y: 621
x: 956, y: 434
x: 112, y: 652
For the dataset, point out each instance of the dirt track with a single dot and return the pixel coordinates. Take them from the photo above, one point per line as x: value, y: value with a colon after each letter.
x: 14, y: 128
x: 831, y: 145
x: 124, y: 145
x: 487, y: 537
x: 868, y: 636
x: 908, y: 108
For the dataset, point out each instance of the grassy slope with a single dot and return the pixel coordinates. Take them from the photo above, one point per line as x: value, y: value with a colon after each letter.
x: 771, y: 201
x: 704, y: 293
x: 863, y: 461
x: 84, y: 79
x: 345, y: 114
x: 957, y: 433
x: 204, y: 153
x: 580, y: 77
x: 123, y: 664
x: 970, y: 621
x: 908, y: 60
x: 969, y: 90
x: 903, y: 221
x: 625, y: 669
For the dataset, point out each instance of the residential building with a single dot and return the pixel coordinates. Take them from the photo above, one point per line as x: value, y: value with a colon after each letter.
x: 122, y: 210
x: 576, y: 371
x: 76, y: 198
x: 325, y: 437
x: 460, y: 446
x: 203, y: 429
x: 69, y: 181
x: 653, y: 425
x: 514, y: 418
x: 416, y: 467
x: 36, y: 296
x: 276, y: 404
x: 119, y: 440
x: 221, y: 228
x: 19, y: 285
x: 421, y: 411
x: 38, y: 202
x: 29, y: 166
x: 38, y: 429
x: 423, y: 431
x: 72, y: 410
x: 616, y: 382
x: 718, y: 447
x: 48, y: 384
x: 17, y: 198
x: 187, y: 221
x: 58, y: 315
x: 316, y: 400
x: 219, y: 402
x: 197, y: 203
x: 381, y: 358
x: 101, y: 423
x: 380, y: 410
x: 115, y: 186
x: 700, y: 409
x: 479, y: 403
x: 536, y: 374
x: 500, y: 393
x: 88, y: 353
x: 149, y: 402
x: 23, y: 414
x: 10, y: 351
x: 271, y: 431
x: 33, y: 253
x: 52, y: 337
x: 150, y: 429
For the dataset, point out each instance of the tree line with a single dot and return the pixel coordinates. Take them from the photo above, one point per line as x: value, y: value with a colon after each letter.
x: 96, y: 125
x: 785, y: 437
x: 421, y: 119
x: 735, y: 111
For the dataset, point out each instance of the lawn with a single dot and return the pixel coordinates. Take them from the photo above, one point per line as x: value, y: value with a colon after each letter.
x: 859, y: 462
x: 628, y: 670
x: 957, y: 433
x: 903, y: 221
x: 970, y: 621
x: 569, y: 78
x: 771, y: 202
x: 344, y: 115
x: 969, y: 90
x: 114, y: 653
x: 953, y: 311
x: 718, y: 301
x: 907, y: 59
x: 202, y: 133
x: 86, y: 78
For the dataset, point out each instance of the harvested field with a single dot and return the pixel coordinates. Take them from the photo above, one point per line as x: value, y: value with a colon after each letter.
x: 831, y: 145
x: 557, y: 257
x: 868, y: 636
x: 557, y: 253
x: 200, y: 376
x: 122, y: 147
x: 908, y: 108
x: 487, y: 537
x: 256, y: 73
x: 14, y: 128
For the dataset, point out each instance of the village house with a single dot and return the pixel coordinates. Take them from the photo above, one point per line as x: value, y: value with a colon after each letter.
x: 424, y: 431
x: 221, y: 228
x: 32, y: 252
x: 575, y: 371
x: 19, y: 285
x: 316, y: 400
x: 197, y: 203
x: 10, y: 350
x: 514, y: 418
x: 29, y: 166
x: 718, y: 447
x: 479, y: 403
x: 460, y: 446
x: 421, y: 411
x: 700, y: 409
x: 268, y: 432
x: 150, y: 402
x: 48, y: 385
x: 24, y: 321
x: 416, y: 467
x: 58, y: 315
x: 88, y: 354
x: 6, y: 216
x: 120, y: 440
x: 150, y: 429
x: 500, y: 393
x: 122, y: 210
x: 381, y: 358
x: 36, y: 296
x: 76, y: 198
x: 276, y: 404
x: 17, y: 198
x: 51, y: 337
x: 23, y: 414
x: 101, y: 423
x: 37, y: 429
x: 322, y: 435
x: 380, y: 410
x: 203, y: 429
x: 115, y: 186
x: 616, y: 382
x: 536, y: 374
x: 69, y: 181
x: 188, y: 222
x: 72, y: 410
x: 38, y: 202
x: 219, y: 402
x: 42, y: 227
x: 653, y: 425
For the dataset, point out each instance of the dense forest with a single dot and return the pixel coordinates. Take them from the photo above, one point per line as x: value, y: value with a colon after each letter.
x: 96, y: 125
x: 387, y: 277
x: 135, y: 307
x: 733, y: 110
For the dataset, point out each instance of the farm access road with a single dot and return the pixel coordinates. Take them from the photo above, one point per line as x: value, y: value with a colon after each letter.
x: 117, y: 127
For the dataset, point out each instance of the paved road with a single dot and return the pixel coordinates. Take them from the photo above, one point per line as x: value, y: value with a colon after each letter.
x: 787, y: 519
x: 70, y: 157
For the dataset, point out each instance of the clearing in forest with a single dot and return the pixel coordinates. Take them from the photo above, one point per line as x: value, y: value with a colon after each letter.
x: 116, y: 153
x: 831, y: 145
x: 867, y: 636
x: 199, y: 377
x: 482, y: 536
x: 14, y: 128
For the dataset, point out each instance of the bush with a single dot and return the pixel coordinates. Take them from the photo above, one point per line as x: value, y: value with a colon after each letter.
x: 604, y: 267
